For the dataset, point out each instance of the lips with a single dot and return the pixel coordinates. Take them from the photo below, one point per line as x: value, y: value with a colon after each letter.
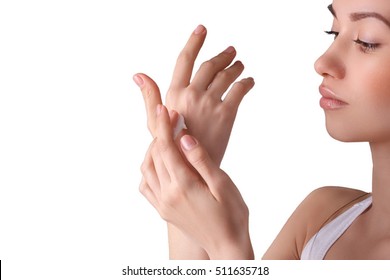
x: 329, y: 100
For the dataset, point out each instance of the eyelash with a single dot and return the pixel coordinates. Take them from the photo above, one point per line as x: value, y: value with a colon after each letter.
x: 365, y: 46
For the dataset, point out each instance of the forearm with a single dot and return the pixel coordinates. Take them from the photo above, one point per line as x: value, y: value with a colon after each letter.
x: 181, y: 247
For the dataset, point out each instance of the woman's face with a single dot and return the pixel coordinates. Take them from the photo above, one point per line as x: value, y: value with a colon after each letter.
x: 356, y: 71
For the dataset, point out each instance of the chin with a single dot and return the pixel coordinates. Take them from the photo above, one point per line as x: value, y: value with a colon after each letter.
x: 354, y: 129
x: 344, y: 138
x: 357, y: 134
x: 344, y: 134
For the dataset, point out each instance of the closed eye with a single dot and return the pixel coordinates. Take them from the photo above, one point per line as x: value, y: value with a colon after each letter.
x: 366, y: 46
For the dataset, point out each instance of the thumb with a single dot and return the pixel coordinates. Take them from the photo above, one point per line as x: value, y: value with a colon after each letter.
x: 152, y: 97
x: 198, y: 157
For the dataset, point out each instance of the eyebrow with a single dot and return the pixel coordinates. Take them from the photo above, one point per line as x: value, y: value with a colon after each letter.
x: 362, y: 15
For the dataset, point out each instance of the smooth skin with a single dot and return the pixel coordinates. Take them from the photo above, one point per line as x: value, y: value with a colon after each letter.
x: 199, y: 101
x: 189, y: 190
x: 203, y: 203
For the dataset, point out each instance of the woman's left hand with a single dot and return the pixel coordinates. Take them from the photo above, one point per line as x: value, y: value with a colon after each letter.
x: 191, y: 192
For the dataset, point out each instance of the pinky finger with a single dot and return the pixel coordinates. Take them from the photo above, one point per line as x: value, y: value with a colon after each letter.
x: 238, y: 91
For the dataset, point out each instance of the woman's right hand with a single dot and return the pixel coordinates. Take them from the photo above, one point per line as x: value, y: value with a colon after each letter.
x: 200, y: 199
x: 208, y: 117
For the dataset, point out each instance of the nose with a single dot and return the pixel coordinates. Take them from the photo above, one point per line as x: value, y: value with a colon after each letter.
x: 331, y: 63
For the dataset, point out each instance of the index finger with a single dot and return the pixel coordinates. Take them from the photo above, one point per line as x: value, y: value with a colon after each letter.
x: 186, y: 59
x: 152, y: 97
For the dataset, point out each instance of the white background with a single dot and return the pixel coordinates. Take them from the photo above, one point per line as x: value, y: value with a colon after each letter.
x: 73, y: 127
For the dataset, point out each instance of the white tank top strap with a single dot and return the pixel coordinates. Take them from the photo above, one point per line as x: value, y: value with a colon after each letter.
x: 320, y: 243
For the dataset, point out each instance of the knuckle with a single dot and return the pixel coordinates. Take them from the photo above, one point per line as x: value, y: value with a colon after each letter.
x: 170, y: 203
x: 210, y: 101
x: 142, y: 188
x: 192, y: 93
x: 184, y: 57
x: 192, y: 97
x: 171, y: 97
x: 223, y: 75
x: 209, y: 65
x: 163, y: 145
x: 239, y: 66
x: 206, y: 103
x: 148, y: 93
x: 220, y: 183
x: 172, y: 198
x: 231, y: 107
x: 144, y: 168
x: 200, y: 158
x: 239, y: 86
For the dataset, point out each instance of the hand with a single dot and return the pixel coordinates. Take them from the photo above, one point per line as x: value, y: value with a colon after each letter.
x: 200, y: 200
x: 207, y: 116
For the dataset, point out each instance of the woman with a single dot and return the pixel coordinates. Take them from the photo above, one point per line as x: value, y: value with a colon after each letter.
x: 207, y: 217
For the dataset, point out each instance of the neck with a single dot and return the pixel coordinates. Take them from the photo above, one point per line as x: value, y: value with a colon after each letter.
x: 381, y: 177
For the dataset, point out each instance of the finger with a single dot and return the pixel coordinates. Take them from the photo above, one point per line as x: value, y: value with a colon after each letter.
x: 210, y: 68
x: 198, y: 157
x: 147, y: 192
x: 149, y: 172
x: 170, y: 154
x: 224, y: 79
x: 152, y: 97
x: 185, y: 62
x: 173, y: 116
x: 237, y: 92
x: 161, y: 171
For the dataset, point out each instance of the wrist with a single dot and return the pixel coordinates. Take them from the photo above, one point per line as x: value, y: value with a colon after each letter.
x: 182, y: 247
x: 233, y: 250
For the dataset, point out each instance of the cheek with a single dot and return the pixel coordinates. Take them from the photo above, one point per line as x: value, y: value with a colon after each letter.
x: 371, y: 104
x: 374, y: 92
x: 367, y: 118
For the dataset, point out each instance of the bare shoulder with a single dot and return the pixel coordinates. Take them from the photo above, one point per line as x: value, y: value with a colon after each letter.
x: 333, y: 194
x: 323, y: 204
x: 320, y: 206
x: 329, y: 199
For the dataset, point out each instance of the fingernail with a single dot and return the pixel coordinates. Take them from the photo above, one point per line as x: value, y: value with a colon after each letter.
x: 158, y: 109
x: 138, y: 80
x: 188, y: 142
x: 199, y: 29
x: 229, y: 50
